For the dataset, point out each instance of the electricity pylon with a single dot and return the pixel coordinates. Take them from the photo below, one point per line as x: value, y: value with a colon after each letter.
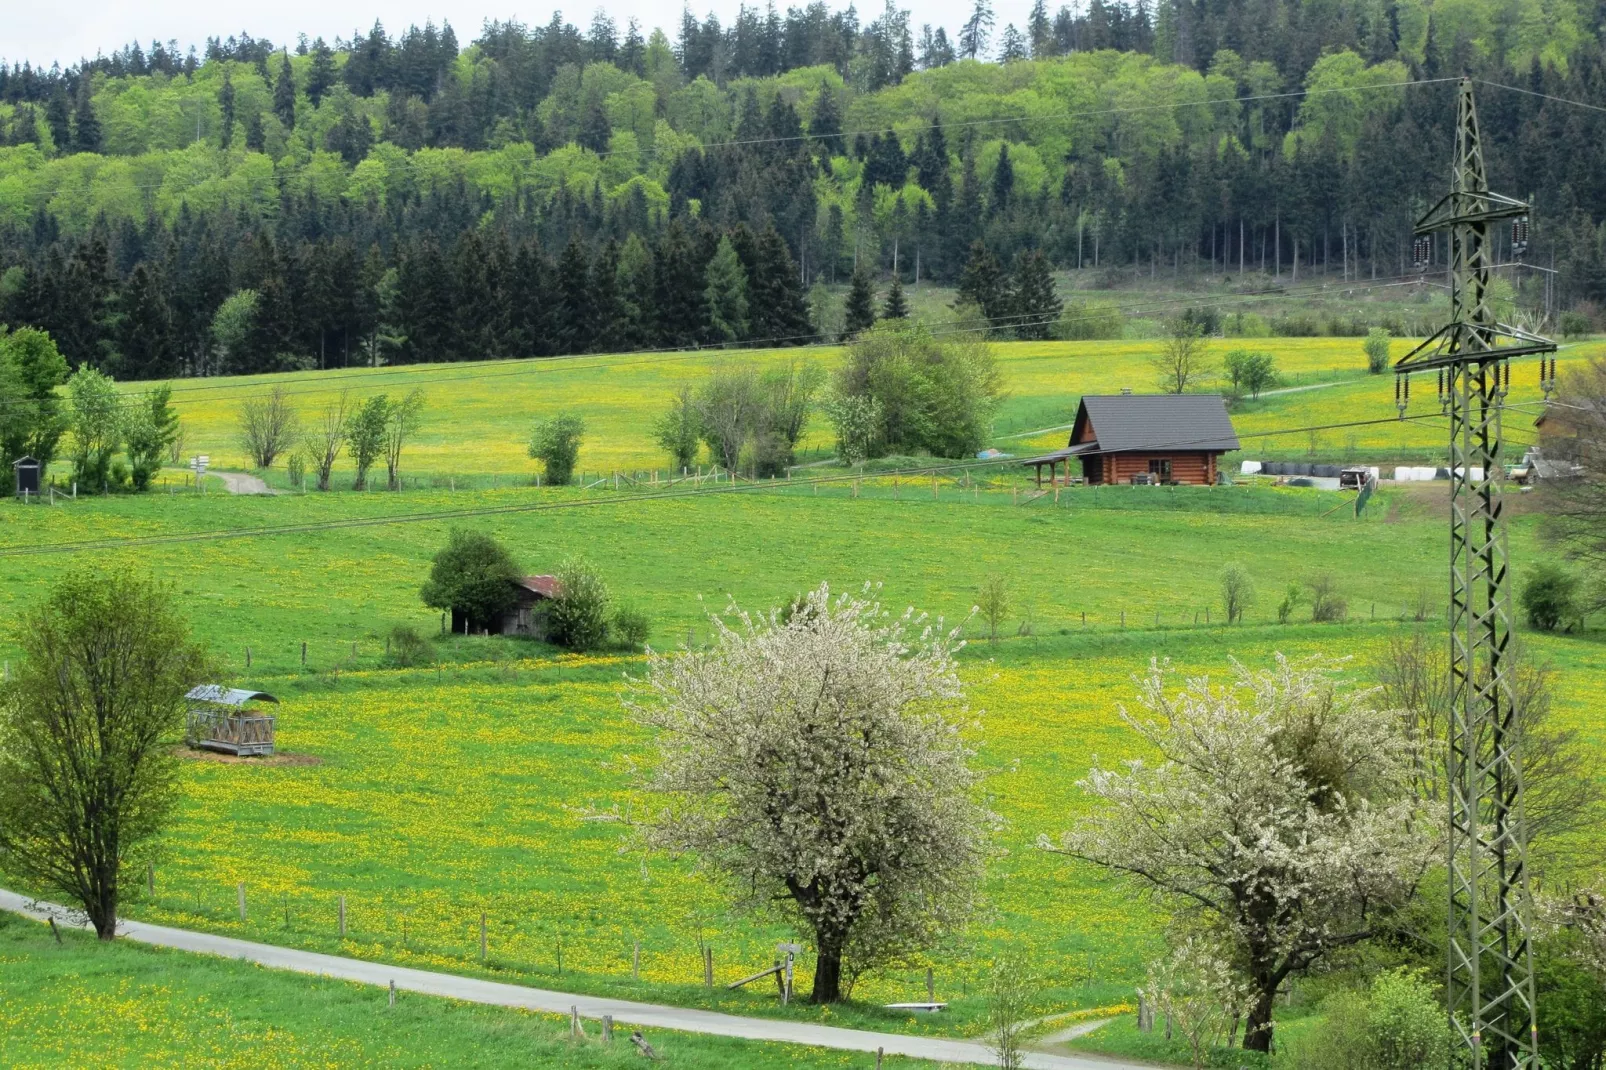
x: 1490, y: 978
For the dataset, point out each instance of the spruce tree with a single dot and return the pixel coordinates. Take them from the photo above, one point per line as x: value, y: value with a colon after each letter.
x: 58, y: 116
x: 638, y: 307
x: 25, y: 128
x: 608, y: 305
x: 284, y: 94
x: 896, y: 307
x: 321, y: 76
x: 1003, y: 181
x: 225, y: 103
x: 682, y: 309
x: 825, y: 124
x: 726, y: 293
x: 576, y: 322
x: 778, y: 303
x: 86, y: 126
x: 1037, y: 305
x: 255, y: 137
x: 595, y: 131
x: 145, y: 326
x: 982, y: 283
x: 858, y: 313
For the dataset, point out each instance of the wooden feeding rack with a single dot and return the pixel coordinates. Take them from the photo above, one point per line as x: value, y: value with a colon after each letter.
x: 220, y: 720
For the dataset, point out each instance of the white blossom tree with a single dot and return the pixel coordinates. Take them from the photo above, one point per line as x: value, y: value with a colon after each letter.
x: 1196, y: 990
x: 1279, y: 819
x: 814, y: 760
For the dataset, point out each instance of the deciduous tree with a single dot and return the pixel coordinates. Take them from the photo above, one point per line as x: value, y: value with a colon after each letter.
x: 1322, y: 777
x: 87, y: 774
x: 268, y: 426
x: 818, y: 765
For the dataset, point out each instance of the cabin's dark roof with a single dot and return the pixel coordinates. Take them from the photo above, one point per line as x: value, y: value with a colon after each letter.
x: 1126, y: 422
x: 545, y: 586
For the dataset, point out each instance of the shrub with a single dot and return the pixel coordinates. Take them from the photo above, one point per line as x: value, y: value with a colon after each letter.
x: 1550, y: 597
x: 1326, y: 606
x: 296, y: 469
x: 1246, y: 325
x: 555, y: 442
x: 1087, y: 321
x: 630, y: 627
x: 1293, y: 598
x: 1574, y: 324
x: 472, y: 575
x: 1250, y: 372
x: 1377, y: 350
x: 1396, y: 1025
x: 1237, y: 592
x: 578, y: 618
x: 926, y: 392
x: 406, y: 648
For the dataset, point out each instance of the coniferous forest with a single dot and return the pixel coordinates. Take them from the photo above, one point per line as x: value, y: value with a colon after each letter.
x: 549, y: 189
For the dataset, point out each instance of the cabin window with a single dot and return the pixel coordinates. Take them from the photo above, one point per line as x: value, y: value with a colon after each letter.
x: 1160, y: 468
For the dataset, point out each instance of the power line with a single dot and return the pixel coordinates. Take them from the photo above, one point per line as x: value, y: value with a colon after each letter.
x: 1536, y: 93
x: 538, y: 507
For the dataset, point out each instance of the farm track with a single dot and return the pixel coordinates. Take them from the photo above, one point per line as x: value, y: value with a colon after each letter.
x: 494, y: 993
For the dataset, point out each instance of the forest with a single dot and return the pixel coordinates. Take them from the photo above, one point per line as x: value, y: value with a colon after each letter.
x: 546, y: 189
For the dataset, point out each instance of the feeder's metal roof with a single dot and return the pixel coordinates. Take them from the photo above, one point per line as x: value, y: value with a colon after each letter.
x: 227, y: 696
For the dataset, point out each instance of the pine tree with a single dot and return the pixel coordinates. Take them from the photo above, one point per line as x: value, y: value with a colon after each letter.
x: 58, y: 116
x: 682, y: 310
x: 284, y: 94
x: 255, y: 136
x: 1040, y: 30
x: 978, y: 28
x: 595, y: 132
x: 982, y: 284
x: 1012, y: 46
x: 1003, y: 181
x: 576, y: 322
x: 726, y: 294
x: 607, y: 301
x: 778, y: 303
x: 86, y: 126
x: 896, y: 307
x: 225, y: 103
x: 25, y: 130
x: 424, y: 299
x: 1037, y: 305
x: 637, y: 306
x: 825, y: 124
x: 321, y: 75
x: 858, y: 313
x: 145, y: 326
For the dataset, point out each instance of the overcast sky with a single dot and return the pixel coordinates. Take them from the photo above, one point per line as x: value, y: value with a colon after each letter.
x: 43, y: 33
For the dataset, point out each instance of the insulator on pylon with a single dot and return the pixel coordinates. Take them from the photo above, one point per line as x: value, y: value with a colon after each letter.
x: 1422, y: 252
x: 1402, y: 393
x: 1519, y: 235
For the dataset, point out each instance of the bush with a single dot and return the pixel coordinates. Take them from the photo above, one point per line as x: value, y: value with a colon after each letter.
x: 1293, y: 598
x: 1246, y: 325
x: 1250, y: 372
x: 555, y: 442
x: 1550, y: 597
x: 630, y: 627
x: 296, y: 469
x: 1398, y: 1024
x: 1237, y: 592
x: 579, y: 615
x: 1326, y: 606
x: 406, y: 648
x: 472, y: 575
x: 1574, y: 324
x: 926, y: 392
x: 1377, y: 350
x: 1087, y: 321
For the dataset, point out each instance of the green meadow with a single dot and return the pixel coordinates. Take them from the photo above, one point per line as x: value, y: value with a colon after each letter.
x: 498, y: 779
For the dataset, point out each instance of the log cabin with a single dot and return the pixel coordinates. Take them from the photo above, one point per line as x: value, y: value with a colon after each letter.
x: 1144, y: 438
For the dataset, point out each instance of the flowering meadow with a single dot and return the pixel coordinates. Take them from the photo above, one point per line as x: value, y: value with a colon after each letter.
x: 619, y: 394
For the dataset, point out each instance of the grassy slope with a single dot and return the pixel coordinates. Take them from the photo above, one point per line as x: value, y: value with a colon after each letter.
x: 444, y: 794
x: 478, y: 416
x: 90, y: 1004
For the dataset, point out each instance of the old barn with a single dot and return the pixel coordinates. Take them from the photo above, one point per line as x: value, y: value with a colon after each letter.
x: 528, y: 615
x: 1144, y: 438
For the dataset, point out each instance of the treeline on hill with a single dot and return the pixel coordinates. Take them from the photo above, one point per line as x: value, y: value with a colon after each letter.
x: 365, y: 200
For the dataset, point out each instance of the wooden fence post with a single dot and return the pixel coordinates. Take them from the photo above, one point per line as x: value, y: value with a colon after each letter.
x: 303, y: 653
x: 342, y: 917
x: 635, y: 951
x: 150, y: 878
x: 560, y: 956
x: 878, y: 1053
x: 482, y: 936
x: 574, y: 1022
x: 607, y: 1019
x: 708, y: 967
x: 931, y: 986
x: 247, y: 657
x: 393, y: 992
x: 239, y: 892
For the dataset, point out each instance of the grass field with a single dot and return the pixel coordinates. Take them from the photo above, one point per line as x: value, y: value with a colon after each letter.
x: 478, y: 415
x: 434, y: 794
x: 427, y: 796
x: 83, y: 1004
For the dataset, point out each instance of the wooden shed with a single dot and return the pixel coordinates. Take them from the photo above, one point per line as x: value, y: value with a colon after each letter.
x: 1144, y: 438
x: 526, y: 618
x: 220, y: 720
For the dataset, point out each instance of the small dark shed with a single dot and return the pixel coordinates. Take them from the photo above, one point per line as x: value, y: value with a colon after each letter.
x: 26, y: 471
x: 529, y: 612
x: 1145, y: 438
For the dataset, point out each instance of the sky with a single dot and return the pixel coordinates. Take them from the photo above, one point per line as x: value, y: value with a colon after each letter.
x: 42, y: 33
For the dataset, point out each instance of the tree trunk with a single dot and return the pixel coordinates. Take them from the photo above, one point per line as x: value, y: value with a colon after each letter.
x: 1257, y: 1028
x: 102, y: 911
x: 827, y: 970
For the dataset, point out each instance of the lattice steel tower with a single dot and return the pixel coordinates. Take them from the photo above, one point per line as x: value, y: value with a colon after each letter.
x: 1490, y: 981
